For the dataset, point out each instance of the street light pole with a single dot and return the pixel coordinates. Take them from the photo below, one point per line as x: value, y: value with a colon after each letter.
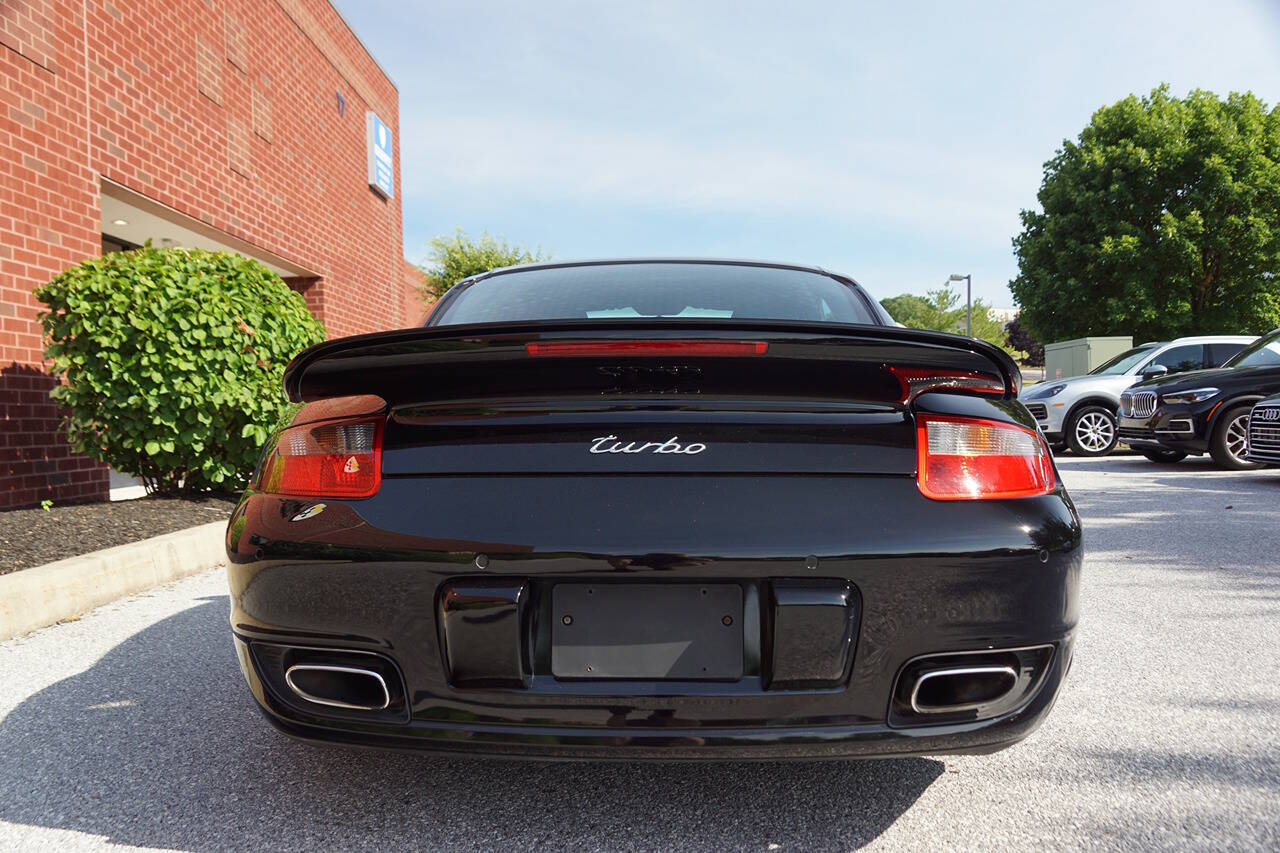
x: 968, y: 301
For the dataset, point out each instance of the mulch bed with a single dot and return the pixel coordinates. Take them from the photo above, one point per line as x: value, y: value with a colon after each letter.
x: 33, y: 537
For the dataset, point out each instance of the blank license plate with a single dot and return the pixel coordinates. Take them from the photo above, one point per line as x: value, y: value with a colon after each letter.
x: 653, y: 632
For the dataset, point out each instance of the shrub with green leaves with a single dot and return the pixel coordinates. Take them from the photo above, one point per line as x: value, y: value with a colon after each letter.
x: 172, y: 360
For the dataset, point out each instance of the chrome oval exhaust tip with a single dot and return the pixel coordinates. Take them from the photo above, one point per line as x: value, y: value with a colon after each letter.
x: 346, y: 687
x: 961, y: 688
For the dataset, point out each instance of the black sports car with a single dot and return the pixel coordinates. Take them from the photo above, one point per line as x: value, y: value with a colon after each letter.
x: 1264, y: 432
x: 1204, y: 411
x: 656, y: 509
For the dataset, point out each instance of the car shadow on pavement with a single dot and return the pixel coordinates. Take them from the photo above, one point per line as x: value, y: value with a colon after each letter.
x: 158, y: 744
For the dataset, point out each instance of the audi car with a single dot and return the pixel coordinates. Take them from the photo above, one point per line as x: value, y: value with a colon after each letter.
x: 1263, y: 444
x: 1204, y: 411
x: 656, y: 509
x: 1080, y: 412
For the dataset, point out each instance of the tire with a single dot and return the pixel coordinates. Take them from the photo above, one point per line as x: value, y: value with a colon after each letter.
x: 1091, y: 431
x: 1226, y: 445
x: 1163, y: 456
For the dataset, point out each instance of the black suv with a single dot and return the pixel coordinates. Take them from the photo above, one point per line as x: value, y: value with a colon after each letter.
x: 1204, y: 411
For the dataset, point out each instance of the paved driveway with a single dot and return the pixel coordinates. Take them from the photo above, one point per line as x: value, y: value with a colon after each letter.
x: 132, y: 727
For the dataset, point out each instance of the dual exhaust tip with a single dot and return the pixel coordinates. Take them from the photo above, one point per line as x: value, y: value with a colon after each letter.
x: 961, y: 688
x: 938, y: 688
x: 936, y: 691
x: 347, y: 687
x: 329, y: 683
x: 955, y: 687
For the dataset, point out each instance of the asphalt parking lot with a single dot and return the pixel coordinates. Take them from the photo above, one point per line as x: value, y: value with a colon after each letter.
x: 132, y: 727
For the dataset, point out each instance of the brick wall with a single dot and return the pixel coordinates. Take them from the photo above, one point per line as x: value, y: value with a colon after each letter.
x: 225, y: 110
x: 416, y: 307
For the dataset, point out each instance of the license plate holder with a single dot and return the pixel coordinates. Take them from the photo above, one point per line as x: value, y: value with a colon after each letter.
x: 651, y: 632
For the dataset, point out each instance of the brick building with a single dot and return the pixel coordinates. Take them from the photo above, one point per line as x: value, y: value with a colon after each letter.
x: 233, y: 124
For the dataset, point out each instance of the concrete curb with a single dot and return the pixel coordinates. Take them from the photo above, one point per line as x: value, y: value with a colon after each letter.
x: 35, y: 598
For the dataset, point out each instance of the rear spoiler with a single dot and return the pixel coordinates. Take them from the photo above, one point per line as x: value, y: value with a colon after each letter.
x: 470, y: 361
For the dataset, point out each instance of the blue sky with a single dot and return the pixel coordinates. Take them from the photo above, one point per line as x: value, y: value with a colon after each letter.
x: 895, y: 142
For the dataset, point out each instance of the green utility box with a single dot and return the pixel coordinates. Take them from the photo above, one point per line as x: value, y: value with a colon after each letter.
x: 1075, y: 358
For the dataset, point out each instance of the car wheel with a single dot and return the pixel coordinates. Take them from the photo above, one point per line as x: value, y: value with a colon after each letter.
x: 1092, y: 431
x: 1163, y: 456
x: 1230, y: 435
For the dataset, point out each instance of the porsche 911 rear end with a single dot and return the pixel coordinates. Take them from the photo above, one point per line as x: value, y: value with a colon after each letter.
x: 660, y: 528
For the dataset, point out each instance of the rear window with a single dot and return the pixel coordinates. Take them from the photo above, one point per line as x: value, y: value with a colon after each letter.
x: 1264, y: 352
x: 1219, y: 353
x: 652, y: 290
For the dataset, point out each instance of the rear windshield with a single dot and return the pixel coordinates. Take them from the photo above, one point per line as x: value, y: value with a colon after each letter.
x: 667, y: 290
x: 1264, y: 352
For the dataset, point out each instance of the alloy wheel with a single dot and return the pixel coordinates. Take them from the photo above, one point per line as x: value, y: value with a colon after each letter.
x: 1237, y: 437
x: 1095, y: 432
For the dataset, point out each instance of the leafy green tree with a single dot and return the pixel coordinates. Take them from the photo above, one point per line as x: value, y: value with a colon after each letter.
x: 172, y: 360
x: 1162, y: 219
x: 908, y: 309
x: 942, y: 311
x: 457, y: 257
x: 985, y: 327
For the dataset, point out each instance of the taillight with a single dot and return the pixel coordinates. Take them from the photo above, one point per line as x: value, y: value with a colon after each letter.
x: 336, y: 460
x: 972, y: 459
x: 610, y: 349
x: 917, y: 380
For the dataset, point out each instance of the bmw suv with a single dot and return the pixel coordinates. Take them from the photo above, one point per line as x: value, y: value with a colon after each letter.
x: 1080, y: 412
x: 1168, y: 418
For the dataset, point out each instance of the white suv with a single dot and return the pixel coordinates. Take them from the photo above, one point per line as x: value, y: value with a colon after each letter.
x: 1080, y: 412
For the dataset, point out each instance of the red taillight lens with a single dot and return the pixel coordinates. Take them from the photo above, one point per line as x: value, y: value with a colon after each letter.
x: 916, y: 380
x: 971, y: 459
x: 336, y: 460
x: 609, y: 349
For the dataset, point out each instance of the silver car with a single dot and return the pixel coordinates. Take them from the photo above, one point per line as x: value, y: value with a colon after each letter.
x: 1080, y: 412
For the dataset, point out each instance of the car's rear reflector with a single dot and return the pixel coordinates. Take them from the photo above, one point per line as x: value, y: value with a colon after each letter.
x: 609, y: 349
x: 338, y: 460
x: 972, y: 459
x: 916, y: 380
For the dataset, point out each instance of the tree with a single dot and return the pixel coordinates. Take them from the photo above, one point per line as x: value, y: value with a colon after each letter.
x: 1017, y: 338
x: 171, y: 361
x: 457, y: 257
x: 941, y: 311
x: 1162, y: 219
x: 908, y: 309
x: 985, y: 327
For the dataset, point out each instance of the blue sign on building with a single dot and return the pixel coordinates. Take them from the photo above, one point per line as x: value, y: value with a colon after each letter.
x: 378, y: 142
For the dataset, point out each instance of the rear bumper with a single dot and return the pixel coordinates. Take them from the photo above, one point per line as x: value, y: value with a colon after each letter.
x: 369, y: 576
x: 761, y: 740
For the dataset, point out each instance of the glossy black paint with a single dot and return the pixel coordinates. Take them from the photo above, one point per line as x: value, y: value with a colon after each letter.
x: 1237, y: 386
x: 813, y: 627
x: 806, y: 360
x: 806, y: 503
x: 930, y: 577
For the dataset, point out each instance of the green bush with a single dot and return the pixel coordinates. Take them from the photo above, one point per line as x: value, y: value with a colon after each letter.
x: 172, y: 360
